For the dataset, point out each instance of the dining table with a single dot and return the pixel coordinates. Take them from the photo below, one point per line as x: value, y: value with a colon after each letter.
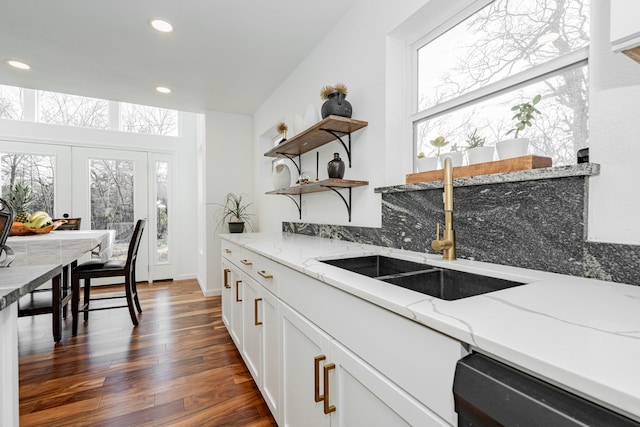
x: 62, y: 248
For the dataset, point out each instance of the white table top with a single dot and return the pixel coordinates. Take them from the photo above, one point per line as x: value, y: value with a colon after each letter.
x: 60, y: 247
x: 581, y: 334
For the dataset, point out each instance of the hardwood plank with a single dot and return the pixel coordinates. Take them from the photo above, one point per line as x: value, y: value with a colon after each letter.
x: 178, y: 367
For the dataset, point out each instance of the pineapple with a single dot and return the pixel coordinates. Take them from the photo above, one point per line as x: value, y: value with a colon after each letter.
x: 22, y: 199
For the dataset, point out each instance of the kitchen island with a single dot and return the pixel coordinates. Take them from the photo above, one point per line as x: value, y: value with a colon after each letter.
x: 579, y: 334
x: 14, y: 283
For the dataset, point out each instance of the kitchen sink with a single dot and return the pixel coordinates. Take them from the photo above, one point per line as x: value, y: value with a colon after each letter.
x: 376, y: 265
x: 443, y: 283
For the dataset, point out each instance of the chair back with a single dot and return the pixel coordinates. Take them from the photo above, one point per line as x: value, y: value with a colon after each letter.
x: 134, y: 244
x: 6, y: 220
x: 71, y: 224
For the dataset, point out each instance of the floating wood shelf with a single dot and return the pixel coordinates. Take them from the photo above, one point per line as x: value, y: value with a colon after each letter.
x: 327, y: 130
x: 318, y: 186
x: 330, y: 184
x: 488, y: 168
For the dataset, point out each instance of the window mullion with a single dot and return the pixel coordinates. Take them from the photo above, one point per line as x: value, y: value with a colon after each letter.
x: 573, y: 59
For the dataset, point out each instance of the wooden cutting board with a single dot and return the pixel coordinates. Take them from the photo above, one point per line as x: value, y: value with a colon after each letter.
x: 500, y: 166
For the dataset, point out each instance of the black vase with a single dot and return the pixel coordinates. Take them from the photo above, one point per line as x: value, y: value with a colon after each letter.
x: 335, y: 168
x: 336, y: 105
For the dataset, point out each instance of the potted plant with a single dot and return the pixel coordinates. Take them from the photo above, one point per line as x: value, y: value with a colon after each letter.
x: 524, y: 116
x: 235, y: 212
x: 426, y: 163
x: 455, y: 154
x: 476, y: 151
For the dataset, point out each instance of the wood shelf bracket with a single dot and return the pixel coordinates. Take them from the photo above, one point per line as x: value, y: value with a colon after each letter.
x: 347, y: 204
x: 338, y: 134
x: 291, y: 157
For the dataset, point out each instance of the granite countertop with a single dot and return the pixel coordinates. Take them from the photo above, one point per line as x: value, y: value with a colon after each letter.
x: 18, y: 281
x: 580, y: 334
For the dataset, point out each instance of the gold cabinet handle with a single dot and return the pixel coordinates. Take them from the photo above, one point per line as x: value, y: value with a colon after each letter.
x: 226, y: 278
x: 237, y: 289
x: 316, y: 377
x: 227, y: 251
x: 328, y: 408
x: 255, y: 311
x: 264, y: 274
x: 246, y: 262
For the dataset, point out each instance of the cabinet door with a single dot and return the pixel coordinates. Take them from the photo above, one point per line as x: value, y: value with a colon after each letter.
x: 252, y: 327
x: 364, y: 397
x: 236, y: 311
x: 269, y: 313
x: 227, y: 294
x: 304, y: 354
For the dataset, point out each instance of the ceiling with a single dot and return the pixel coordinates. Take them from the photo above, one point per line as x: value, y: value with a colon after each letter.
x: 223, y: 55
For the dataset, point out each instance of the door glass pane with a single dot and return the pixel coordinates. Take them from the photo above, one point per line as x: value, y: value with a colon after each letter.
x: 33, y: 171
x: 162, y: 213
x: 111, y: 184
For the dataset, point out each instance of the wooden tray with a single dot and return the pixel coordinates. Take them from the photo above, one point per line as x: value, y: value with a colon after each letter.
x: 488, y: 168
x: 22, y: 231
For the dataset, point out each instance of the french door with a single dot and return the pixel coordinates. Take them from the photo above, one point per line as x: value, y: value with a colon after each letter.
x: 108, y: 189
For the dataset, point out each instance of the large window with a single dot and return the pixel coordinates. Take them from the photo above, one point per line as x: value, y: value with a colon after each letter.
x: 81, y: 111
x: 11, y: 103
x: 72, y: 110
x: 472, y: 72
x: 145, y: 119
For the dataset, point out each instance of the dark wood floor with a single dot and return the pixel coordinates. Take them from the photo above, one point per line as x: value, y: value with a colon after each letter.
x: 178, y: 367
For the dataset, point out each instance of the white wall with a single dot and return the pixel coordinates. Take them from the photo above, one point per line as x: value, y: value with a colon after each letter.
x: 226, y: 163
x: 366, y: 51
x: 182, y: 150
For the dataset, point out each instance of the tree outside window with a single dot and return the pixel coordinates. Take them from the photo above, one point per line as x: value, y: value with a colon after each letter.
x: 146, y: 119
x: 504, y: 54
x: 35, y: 171
x: 11, y: 104
x: 72, y: 110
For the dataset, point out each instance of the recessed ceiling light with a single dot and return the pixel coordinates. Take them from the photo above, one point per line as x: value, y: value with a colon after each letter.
x: 18, y: 64
x: 162, y: 25
x: 548, y: 38
x: 163, y: 89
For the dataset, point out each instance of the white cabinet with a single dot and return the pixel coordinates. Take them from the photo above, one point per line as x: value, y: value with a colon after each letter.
x: 625, y: 26
x: 304, y: 354
x: 311, y: 348
x: 324, y: 384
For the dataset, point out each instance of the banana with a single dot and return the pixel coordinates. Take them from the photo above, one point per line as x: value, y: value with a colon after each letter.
x: 37, y: 215
x: 41, y: 221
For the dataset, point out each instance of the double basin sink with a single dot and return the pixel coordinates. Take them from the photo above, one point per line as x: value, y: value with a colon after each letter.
x: 437, y: 282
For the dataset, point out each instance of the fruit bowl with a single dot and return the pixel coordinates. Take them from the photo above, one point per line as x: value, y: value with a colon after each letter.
x: 21, y: 230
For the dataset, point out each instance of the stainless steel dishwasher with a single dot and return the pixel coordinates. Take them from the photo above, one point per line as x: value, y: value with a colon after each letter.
x: 490, y: 393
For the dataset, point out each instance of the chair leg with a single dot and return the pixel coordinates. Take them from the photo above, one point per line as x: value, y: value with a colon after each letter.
x: 87, y: 298
x: 135, y: 290
x: 129, y: 294
x: 75, y: 302
x: 57, y: 309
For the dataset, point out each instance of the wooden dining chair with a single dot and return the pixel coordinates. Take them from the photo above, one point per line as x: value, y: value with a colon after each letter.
x: 6, y: 220
x: 43, y: 303
x: 112, y: 268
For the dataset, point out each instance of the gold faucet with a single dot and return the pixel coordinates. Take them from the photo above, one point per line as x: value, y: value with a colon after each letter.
x: 448, y: 242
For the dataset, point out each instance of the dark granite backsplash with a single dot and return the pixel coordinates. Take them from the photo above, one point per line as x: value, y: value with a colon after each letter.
x: 537, y: 223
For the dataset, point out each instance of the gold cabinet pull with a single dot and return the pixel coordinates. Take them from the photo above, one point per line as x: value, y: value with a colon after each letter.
x: 246, y: 262
x: 226, y: 278
x: 328, y: 408
x: 227, y: 251
x: 264, y: 274
x: 255, y: 311
x: 237, y: 289
x: 316, y: 377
